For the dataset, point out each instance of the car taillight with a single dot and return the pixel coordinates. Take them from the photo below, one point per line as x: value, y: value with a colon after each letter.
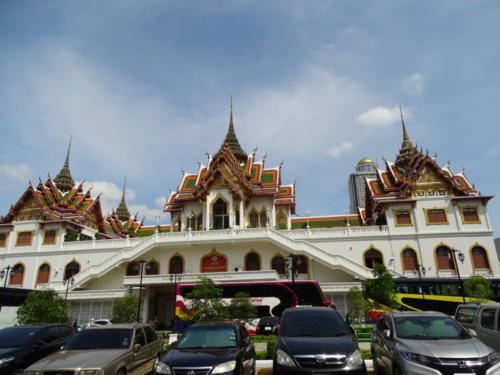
x: 257, y: 327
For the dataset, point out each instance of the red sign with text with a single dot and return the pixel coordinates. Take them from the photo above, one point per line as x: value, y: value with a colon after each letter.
x: 214, y: 263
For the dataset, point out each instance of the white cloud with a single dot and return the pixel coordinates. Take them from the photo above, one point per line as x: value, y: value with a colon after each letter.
x: 336, y: 151
x: 111, y: 194
x: 379, y: 116
x: 414, y: 83
x: 19, y: 172
x: 150, y: 214
x: 160, y: 201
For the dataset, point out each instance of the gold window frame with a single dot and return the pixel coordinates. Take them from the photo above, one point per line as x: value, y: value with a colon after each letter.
x: 25, y: 231
x: 394, y: 213
x: 478, y: 221
x: 445, y: 209
x: 45, y: 234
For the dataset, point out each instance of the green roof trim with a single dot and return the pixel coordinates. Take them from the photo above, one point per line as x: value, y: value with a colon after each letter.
x: 254, y: 171
x: 190, y: 182
x: 268, y: 178
x: 301, y: 224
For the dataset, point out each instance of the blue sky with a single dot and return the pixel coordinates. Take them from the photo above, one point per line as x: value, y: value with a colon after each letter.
x: 143, y: 87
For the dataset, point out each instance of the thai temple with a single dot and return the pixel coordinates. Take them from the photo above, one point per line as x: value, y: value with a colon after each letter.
x: 233, y: 220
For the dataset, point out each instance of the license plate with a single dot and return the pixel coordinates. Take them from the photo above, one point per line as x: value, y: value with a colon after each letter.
x: 267, y: 328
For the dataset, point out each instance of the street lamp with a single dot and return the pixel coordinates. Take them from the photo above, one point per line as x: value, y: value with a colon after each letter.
x: 5, y: 273
x: 461, y: 257
x: 420, y: 270
x: 293, y: 261
x: 175, y: 278
x: 141, y: 269
x: 69, y: 281
x: 307, y: 213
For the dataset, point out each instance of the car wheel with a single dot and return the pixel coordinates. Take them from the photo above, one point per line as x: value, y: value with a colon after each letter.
x: 121, y: 372
x: 396, y: 371
x: 376, y: 370
x: 254, y: 367
x: 18, y: 372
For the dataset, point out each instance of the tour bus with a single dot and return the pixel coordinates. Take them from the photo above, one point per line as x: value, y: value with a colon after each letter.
x: 436, y: 294
x: 270, y: 298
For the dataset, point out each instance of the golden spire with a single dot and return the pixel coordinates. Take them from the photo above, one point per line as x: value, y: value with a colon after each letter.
x: 407, y: 149
x: 231, y: 141
x: 63, y: 180
x: 122, y: 210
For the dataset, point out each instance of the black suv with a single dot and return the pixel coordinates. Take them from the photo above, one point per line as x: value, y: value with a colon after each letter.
x: 316, y: 340
x: 267, y: 325
x: 213, y: 348
x: 23, y: 345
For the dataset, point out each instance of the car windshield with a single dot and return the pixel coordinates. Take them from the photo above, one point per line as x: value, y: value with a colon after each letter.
x: 117, y: 338
x: 315, y: 323
x: 208, y: 337
x: 16, y: 336
x: 429, y: 328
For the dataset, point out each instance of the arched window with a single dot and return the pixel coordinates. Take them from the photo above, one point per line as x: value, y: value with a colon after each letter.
x: 221, y: 218
x: 480, y: 258
x: 132, y: 269
x: 254, y: 219
x: 252, y: 262
x: 444, y: 258
x: 372, y: 258
x: 263, y: 218
x: 152, y: 268
x: 278, y: 264
x: 176, y: 265
x: 410, y: 262
x: 43, y: 274
x: 301, y: 265
x: 71, y: 270
x: 17, y: 275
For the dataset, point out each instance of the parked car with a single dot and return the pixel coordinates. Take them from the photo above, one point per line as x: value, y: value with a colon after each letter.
x: 23, y: 345
x: 213, y: 348
x: 105, y: 350
x: 267, y: 325
x: 483, y: 320
x: 423, y: 342
x: 314, y: 340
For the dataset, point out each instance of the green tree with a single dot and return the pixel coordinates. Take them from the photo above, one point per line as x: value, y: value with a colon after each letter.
x: 125, y: 310
x: 478, y: 287
x: 241, y: 308
x: 206, y: 302
x: 43, y: 306
x: 358, y: 305
x: 381, y: 288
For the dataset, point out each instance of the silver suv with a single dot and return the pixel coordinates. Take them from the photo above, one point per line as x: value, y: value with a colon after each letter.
x: 428, y: 343
x: 483, y: 319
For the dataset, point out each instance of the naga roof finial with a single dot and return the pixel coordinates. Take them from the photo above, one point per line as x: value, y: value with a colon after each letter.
x: 122, y: 210
x: 64, y: 181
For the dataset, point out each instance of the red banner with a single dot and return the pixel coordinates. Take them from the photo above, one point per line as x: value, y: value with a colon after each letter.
x: 214, y: 263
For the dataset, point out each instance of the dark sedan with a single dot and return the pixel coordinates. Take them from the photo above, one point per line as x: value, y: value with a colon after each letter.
x: 214, y: 348
x: 267, y: 325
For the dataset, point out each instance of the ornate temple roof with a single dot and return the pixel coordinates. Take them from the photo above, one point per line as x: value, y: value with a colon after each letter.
x: 245, y: 178
x: 413, y: 171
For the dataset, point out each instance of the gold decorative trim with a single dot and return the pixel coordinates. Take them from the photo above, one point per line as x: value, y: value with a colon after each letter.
x: 401, y: 257
x: 12, y: 269
x: 38, y: 272
x: 213, y: 253
x: 436, y: 260
x: 372, y: 248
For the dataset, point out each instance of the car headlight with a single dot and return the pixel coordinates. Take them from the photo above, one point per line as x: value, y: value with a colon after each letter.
x: 5, y: 360
x: 355, y: 359
x: 224, y: 367
x: 419, y: 358
x: 87, y: 372
x: 162, y: 368
x: 284, y: 359
x: 492, y: 358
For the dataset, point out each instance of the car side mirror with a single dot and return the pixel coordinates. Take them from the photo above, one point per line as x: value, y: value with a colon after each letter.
x: 352, y: 330
x: 387, y: 333
x: 472, y: 332
x: 137, y: 347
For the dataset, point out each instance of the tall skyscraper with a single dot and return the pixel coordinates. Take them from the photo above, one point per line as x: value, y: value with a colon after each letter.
x: 365, y: 168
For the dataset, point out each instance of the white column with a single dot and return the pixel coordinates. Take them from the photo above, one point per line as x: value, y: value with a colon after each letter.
x: 207, y: 214
x: 242, y: 215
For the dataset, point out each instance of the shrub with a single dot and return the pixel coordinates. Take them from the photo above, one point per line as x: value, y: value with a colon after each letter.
x: 270, y: 349
x: 43, y: 306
